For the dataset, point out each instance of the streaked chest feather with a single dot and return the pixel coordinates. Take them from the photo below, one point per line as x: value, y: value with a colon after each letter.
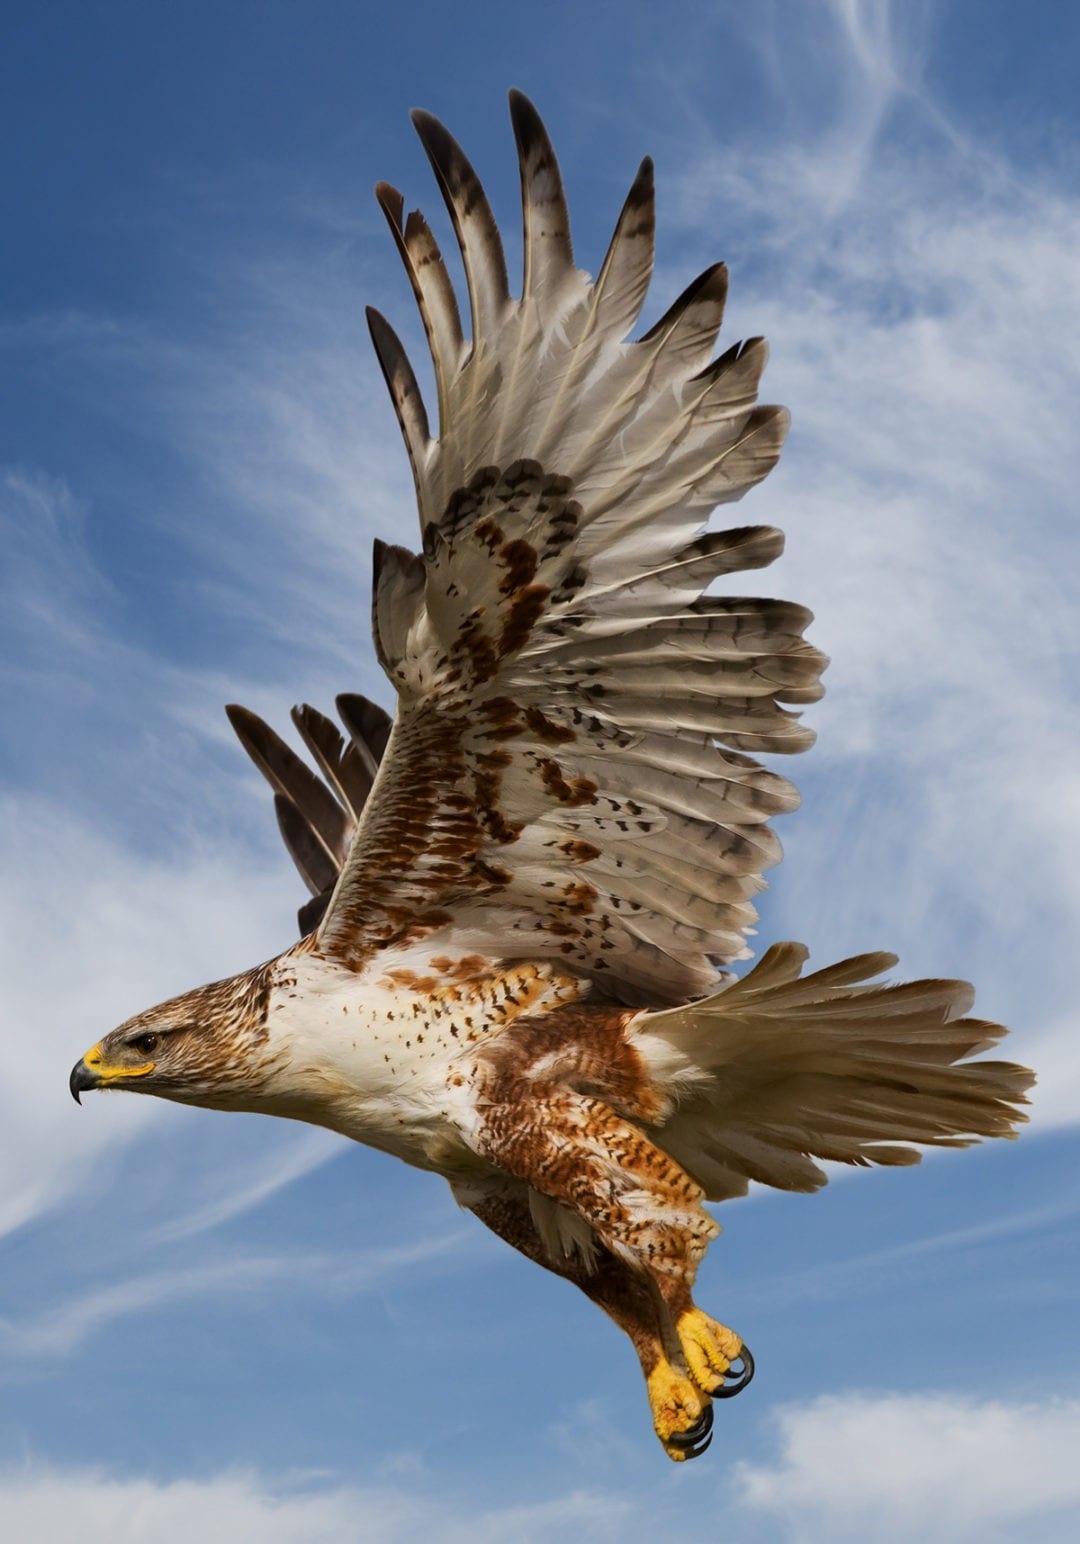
x: 390, y: 1059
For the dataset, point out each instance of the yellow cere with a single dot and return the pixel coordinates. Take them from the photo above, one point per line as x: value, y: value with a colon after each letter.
x: 96, y: 1062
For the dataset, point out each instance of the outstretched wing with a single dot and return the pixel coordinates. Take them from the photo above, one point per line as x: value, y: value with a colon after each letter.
x: 571, y: 773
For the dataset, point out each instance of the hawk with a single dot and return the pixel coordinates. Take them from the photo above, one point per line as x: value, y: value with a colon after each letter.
x: 527, y: 888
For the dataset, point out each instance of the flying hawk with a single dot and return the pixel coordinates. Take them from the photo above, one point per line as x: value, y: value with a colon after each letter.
x: 528, y: 886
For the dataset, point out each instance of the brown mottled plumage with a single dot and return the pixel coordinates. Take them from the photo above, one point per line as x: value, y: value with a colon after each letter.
x: 525, y: 892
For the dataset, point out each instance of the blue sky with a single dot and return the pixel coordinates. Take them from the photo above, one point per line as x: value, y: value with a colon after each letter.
x: 236, y: 1327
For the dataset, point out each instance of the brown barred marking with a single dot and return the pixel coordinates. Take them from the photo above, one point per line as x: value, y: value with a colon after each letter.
x: 410, y: 980
x: 479, y: 995
x: 562, y: 1100
x: 578, y: 898
x: 417, y: 844
x: 523, y: 615
x: 493, y: 876
x: 463, y: 969
x: 474, y: 644
x: 544, y: 729
x: 578, y: 851
x: 505, y: 719
x: 588, y: 1044
x: 576, y: 1149
x: 519, y: 560
x: 568, y: 790
x: 501, y: 830
x: 489, y: 534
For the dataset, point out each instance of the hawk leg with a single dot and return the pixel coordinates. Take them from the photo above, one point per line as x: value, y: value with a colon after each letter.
x: 644, y: 1208
x: 682, y: 1413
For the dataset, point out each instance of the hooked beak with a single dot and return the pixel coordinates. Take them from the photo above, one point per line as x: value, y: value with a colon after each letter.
x: 92, y: 1072
x: 82, y: 1077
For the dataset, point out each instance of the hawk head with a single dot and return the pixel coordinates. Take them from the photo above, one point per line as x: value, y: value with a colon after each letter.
x: 196, y: 1048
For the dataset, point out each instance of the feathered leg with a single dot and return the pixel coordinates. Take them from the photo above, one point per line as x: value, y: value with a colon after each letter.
x: 682, y: 1413
x: 639, y: 1202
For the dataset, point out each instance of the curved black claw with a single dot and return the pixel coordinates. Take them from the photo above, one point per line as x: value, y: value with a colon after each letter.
x: 695, y: 1439
x: 702, y: 1447
x: 741, y: 1378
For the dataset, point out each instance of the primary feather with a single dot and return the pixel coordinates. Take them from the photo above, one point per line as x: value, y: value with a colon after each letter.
x: 552, y: 645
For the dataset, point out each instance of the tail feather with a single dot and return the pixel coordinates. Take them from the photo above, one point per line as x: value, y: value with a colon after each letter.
x: 780, y: 1069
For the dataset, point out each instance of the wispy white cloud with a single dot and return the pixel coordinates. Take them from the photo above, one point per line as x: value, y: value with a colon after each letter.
x: 82, y: 919
x: 62, y: 1327
x: 848, y: 1467
x: 272, y: 418
x: 916, y: 297
x: 251, y: 1181
x: 42, y: 521
x: 869, y: 54
x: 1055, y: 1051
x: 137, y: 848
x: 38, y: 1503
x: 930, y: 1255
x: 935, y: 1467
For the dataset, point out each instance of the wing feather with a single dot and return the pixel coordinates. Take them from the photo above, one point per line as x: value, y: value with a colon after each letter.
x: 368, y: 725
x: 290, y: 778
x: 549, y: 253
x: 316, y: 821
x: 570, y: 773
x: 474, y: 226
x: 431, y: 286
x: 314, y: 865
x: 404, y: 392
x: 343, y: 766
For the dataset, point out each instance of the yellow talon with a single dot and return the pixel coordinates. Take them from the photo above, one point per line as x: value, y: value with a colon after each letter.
x: 709, y: 1348
x: 677, y: 1406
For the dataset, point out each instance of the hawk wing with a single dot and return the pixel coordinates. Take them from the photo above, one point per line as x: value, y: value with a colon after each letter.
x: 570, y: 774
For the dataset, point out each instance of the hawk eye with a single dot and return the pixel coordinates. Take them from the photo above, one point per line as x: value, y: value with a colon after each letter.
x: 144, y: 1044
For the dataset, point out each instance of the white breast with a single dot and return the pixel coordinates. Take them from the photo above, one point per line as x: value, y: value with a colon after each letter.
x: 376, y: 1065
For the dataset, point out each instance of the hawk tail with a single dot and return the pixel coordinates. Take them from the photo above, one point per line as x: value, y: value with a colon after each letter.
x: 780, y: 1069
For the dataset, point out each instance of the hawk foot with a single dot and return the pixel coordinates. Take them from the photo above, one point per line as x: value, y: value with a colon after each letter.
x: 711, y: 1350
x: 682, y: 1414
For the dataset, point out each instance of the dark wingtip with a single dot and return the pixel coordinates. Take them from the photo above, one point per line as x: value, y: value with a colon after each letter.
x: 388, y: 345
x: 710, y: 284
x: 245, y: 723
x: 379, y: 549
x: 434, y: 135
x: 365, y: 721
x: 386, y: 341
x: 531, y: 137
x: 527, y: 122
x: 312, y: 912
x: 642, y: 187
x: 452, y: 166
x: 391, y: 202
